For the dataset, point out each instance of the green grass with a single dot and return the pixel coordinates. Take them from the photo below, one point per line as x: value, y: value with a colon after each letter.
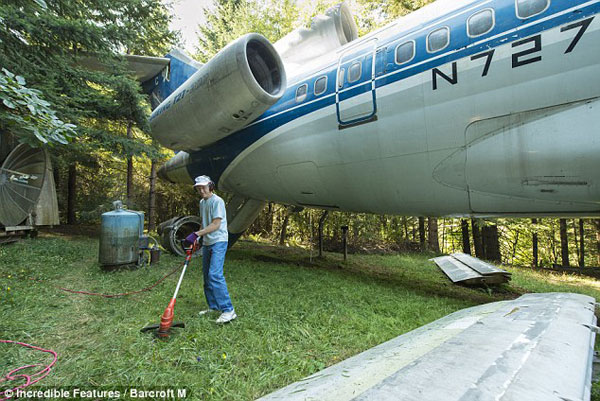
x: 296, y: 316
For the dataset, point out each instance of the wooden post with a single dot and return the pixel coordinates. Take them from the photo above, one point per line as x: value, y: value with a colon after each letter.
x: 345, y: 241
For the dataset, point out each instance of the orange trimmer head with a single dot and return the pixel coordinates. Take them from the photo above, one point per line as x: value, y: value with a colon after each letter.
x: 163, y: 329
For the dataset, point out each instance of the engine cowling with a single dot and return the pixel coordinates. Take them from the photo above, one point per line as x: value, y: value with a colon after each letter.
x: 230, y: 91
x: 326, y: 34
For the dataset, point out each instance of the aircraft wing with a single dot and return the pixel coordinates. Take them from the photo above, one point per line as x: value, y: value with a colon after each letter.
x: 536, y: 347
x: 143, y: 67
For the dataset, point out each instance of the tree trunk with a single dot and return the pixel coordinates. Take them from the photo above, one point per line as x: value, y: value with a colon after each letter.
x: 71, y: 188
x: 576, y: 240
x: 534, y: 243
x: 491, y: 243
x: 477, y: 238
x: 321, y: 223
x: 432, y: 228
x: 581, y: 243
x: 564, y: 243
x: 597, y: 222
x: 269, y: 225
x: 466, y: 242
x: 152, y: 198
x: 443, y: 247
x: 283, y: 234
x: 129, y: 169
x: 422, y: 232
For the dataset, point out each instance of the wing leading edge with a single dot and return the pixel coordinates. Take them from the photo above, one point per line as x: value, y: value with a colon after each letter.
x: 537, y: 347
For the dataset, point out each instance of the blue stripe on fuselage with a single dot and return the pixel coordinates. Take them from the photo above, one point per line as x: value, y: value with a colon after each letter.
x: 214, y: 159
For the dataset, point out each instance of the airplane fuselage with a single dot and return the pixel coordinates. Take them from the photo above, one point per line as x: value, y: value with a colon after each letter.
x: 484, y: 108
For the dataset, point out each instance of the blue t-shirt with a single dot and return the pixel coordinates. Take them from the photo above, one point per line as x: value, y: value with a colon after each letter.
x: 210, y: 209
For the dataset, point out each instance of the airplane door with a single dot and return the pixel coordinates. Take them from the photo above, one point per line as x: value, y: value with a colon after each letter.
x: 355, y: 96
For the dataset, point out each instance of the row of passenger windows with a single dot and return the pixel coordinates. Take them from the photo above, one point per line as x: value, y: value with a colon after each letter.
x: 354, y: 73
x: 478, y: 24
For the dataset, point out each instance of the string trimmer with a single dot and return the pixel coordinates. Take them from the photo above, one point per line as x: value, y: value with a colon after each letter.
x: 166, y: 321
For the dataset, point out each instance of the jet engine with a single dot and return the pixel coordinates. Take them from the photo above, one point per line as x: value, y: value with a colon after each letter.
x: 230, y: 91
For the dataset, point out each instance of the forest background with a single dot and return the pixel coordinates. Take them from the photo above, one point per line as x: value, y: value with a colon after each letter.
x: 95, y: 127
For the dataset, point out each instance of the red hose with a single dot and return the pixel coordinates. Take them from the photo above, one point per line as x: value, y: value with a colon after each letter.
x: 34, y: 378
x: 113, y: 295
x: 29, y: 379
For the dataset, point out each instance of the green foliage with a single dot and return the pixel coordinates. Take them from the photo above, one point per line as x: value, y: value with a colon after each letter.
x: 232, y: 19
x: 27, y: 115
x: 47, y: 48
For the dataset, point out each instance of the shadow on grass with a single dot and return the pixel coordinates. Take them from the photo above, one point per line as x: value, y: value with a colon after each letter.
x: 425, y: 283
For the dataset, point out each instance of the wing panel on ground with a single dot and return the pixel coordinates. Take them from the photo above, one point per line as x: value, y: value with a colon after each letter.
x: 536, y: 347
x: 478, y: 265
x: 456, y: 270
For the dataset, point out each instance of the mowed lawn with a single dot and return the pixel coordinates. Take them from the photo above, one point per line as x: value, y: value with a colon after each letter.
x: 295, y: 316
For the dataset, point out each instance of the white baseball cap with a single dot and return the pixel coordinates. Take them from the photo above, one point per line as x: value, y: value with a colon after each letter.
x: 202, y: 180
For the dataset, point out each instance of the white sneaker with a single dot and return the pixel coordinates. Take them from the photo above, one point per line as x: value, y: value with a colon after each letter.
x: 226, y: 317
x: 205, y: 311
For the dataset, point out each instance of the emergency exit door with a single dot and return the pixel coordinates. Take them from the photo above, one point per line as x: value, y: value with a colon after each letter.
x: 355, y: 95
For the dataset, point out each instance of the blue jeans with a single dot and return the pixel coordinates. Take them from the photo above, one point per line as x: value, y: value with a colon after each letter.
x: 215, y: 287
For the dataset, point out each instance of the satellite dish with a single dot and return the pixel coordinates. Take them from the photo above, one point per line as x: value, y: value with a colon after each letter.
x: 21, y: 178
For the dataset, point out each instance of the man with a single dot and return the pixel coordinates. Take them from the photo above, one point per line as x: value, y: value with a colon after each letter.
x: 214, y: 246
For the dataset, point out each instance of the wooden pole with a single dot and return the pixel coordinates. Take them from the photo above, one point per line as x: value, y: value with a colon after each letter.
x: 345, y: 241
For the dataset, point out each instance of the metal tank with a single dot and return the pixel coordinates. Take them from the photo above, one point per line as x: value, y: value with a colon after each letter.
x: 120, y: 234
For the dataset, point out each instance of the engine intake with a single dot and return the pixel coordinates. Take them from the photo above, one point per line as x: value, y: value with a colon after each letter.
x: 230, y: 91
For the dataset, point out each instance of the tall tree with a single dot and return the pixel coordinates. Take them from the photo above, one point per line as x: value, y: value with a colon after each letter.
x: 581, y: 243
x: 597, y: 224
x: 432, y: 228
x: 466, y: 244
x: 422, y: 232
x: 230, y: 20
x: 564, y: 243
x: 477, y: 242
x: 47, y: 48
x: 534, y: 241
x: 491, y: 242
x: 152, y: 198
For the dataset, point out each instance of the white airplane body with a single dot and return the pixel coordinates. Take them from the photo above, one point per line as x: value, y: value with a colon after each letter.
x: 462, y: 108
x: 492, y: 112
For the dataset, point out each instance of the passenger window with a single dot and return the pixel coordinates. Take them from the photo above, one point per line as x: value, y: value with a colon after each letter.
x: 480, y: 23
x: 438, y: 39
x: 405, y: 52
x: 354, y: 72
x: 320, y: 85
x: 301, y: 92
x: 341, y: 76
x: 529, y: 8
